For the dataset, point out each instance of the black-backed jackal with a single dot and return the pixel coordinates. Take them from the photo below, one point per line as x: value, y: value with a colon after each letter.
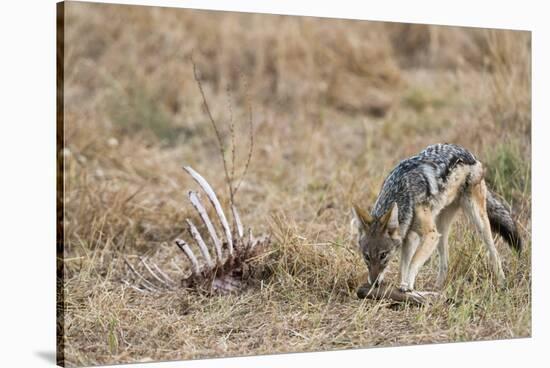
x: 416, y: 207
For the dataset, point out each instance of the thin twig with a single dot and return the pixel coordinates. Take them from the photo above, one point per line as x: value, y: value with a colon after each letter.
x: 251, y: 140
x: 233, y: 144
x: 214, y: 125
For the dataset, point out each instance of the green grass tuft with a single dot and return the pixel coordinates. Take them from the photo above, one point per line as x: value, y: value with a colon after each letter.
x: 138, y: 111
x: 508, y: 172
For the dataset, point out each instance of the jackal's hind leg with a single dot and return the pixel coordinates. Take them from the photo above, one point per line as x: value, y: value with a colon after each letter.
x: 474, y: 204
x: 444, y: 223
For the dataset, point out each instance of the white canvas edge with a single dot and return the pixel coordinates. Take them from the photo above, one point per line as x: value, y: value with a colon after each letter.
x: 28, y: 181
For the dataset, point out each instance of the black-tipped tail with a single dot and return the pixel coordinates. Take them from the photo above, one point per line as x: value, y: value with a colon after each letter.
x: 502, y: 222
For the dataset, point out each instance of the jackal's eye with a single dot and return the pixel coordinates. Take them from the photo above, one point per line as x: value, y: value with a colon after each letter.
x: 367, y: 258
x: 384, y: 255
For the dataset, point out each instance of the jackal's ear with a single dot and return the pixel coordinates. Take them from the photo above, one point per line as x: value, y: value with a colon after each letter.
x: 361, y: 217
x: 390, y: 220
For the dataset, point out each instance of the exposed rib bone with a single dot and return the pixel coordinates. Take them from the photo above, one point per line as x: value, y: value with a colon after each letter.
x: 215, y: 202
x: 145, y: 283
x: 125, y: 282
x: 251, y: 243
x: 238, y: 222
x: 158, y: 278
x: 196, y: 202
x: 148, y: 288
x: 165, y: 276
x: 189, y: 253
x: 198, y: 239
x: 221, y: 275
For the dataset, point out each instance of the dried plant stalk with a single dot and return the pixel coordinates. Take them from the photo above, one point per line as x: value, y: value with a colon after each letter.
x: 229, y: 176
x: 228, y: 273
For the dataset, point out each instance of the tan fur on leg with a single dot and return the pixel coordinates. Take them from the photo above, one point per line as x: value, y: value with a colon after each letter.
x: 474, y: 204
x: 444, y: 223
x: 407, y: 252
x: 426, y: 227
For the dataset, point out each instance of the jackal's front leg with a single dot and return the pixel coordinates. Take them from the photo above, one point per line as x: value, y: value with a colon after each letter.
x: 407, y: 251
x: 429, y: 237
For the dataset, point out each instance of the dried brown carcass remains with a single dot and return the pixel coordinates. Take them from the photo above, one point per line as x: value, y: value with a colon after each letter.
x: 228, y: 269
x: 390, y: 292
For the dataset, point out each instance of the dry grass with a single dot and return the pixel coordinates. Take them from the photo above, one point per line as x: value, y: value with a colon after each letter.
x: 336, y: 105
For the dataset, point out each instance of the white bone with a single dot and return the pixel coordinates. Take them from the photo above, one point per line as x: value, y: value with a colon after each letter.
x: 196, y: 202
x: 145, y: 283
x: 152, y: 273
x: 165, y: 276
x: 189, y: 253
x: 238, y: 223
x: 215, y: 202
x: 125, y: 282
x: 198, y: 239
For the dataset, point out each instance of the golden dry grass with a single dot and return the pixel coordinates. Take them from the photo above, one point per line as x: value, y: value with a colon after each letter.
x: 337, y: 103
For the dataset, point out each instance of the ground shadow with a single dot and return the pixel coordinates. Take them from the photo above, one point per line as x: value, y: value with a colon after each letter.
x: 48, y: 356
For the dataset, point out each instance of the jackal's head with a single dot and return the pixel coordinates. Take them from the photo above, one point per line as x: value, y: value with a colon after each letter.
x: 378, y: 239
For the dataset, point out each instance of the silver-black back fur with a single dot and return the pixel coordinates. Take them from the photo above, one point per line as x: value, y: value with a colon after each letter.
x: 416, y: 179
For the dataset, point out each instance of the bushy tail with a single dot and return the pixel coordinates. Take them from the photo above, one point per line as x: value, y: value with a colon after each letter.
x: 502, y: 222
